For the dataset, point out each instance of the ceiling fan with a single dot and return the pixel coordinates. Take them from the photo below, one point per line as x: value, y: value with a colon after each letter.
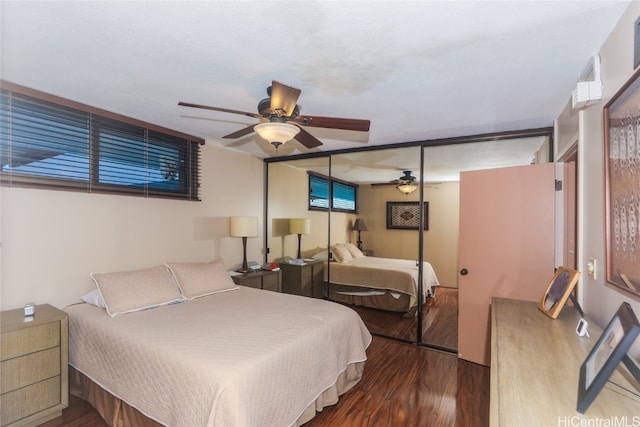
x: 280, y: 109
x: 406, y: 178
x: 406, y: 183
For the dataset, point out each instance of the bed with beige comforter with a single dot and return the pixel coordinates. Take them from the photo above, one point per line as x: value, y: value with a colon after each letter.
x: 384, y: 283
x: 246, y: 357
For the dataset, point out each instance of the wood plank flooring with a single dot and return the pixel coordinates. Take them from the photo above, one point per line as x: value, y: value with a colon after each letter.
x: 439, y: 320
x: 402, y: 385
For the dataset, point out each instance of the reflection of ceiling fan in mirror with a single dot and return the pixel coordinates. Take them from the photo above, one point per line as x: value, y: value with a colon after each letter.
x: 405, y: 184
x: 281, y: 109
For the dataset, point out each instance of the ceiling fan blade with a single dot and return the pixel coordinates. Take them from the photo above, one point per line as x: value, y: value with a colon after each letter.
x: 382, y: 184
x: 308, y: 140
x: 241, y: 132
x: 284, y: 97
x: 224, y: 110
x: 334, y: 123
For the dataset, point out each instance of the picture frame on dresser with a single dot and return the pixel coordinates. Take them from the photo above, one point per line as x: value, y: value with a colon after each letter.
x: 559, y: 290
x: 622, y: 180
x: 610, y: 349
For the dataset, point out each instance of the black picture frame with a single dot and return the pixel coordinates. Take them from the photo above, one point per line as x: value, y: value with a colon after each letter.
x: 406, y: 215
x: 609, y: 350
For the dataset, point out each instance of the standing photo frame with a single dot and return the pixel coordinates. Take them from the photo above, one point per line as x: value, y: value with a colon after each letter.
x: 609, y: 350
x: 622, y: 186
x: 560, y: 287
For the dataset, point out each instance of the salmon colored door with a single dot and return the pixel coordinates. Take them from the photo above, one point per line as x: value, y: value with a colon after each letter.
x: 506, y: 246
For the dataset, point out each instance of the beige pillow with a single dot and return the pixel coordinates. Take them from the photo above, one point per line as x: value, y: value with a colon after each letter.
x: 128, y: 291
x: 353, y: 250
x: 341, y: 253
x: 197, y: 279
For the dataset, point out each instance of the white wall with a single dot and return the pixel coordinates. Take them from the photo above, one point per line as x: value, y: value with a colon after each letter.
x: 599, y: 299
x: 52, y: 240
x: 440, y: 241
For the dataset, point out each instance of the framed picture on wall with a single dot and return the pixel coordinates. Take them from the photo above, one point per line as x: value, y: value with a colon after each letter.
x: 406, y: 215
x: 622, y: 186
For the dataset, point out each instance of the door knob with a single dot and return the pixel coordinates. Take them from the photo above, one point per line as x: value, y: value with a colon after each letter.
x: 464, y: 271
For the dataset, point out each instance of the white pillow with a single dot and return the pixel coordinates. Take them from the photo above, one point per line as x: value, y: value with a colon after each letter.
x: 129, y: 291
x: 353, y: 250
x: 94, y: 298
x: 341, y: 253
x: 198, y: 279
x: 321, y: 256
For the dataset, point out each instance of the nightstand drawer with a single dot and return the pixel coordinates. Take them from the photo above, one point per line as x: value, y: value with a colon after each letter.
x: 34, y: 373
x: 29, y: 340
x: 29, y: 369
x: 261, y: 279
x: 252, y: 282
x: 29, y: 400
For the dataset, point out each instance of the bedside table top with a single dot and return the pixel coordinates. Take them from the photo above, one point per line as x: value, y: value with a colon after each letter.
x: 306, y: 262
x: 13, y: 319
x: 256, y: 273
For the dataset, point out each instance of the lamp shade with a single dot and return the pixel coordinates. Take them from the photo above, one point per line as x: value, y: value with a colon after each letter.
x: 407, y: 188
x: 359, y: 225
x: 299, y: 225
x: 244, y: 226
x: 276, y: 132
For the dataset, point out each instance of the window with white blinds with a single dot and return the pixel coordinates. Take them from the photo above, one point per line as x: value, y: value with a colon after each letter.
x: 45, y: 144
x: 325, y: 192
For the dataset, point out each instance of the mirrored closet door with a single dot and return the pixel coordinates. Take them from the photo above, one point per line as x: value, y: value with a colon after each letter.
x: 375, y: 247
x: 297, y: 236
x: 315, y: 232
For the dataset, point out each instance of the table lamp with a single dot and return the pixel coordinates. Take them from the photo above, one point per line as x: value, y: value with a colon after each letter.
x: 299, y: 226
x: 244, y: 226
x: 359, y: 225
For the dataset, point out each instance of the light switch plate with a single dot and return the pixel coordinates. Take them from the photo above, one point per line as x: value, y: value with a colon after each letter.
x: 592, y: 268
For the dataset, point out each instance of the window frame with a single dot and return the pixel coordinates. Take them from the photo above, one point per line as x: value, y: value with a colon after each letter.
x: 185, y: 149
x: 331, y: 201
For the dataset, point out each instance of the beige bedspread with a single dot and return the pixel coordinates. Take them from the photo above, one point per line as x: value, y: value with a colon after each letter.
x: 389, y: 274
x: 241, y: 358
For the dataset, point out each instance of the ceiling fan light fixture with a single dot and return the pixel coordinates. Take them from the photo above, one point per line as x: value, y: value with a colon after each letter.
x: 276, y: 133
x: 407, y: 187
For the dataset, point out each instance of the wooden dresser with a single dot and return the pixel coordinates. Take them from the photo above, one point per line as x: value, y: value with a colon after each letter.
x: 260, y: 279
x: 34, y: 366
x: 306, y: 280
x: 535, y: 368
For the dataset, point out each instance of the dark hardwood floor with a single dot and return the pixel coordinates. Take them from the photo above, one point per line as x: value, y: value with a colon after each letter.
x: 408, y: 385
x: 439, y: 320
x: 402, y: 385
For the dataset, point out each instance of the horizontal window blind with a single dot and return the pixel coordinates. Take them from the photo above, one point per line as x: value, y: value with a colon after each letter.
x: 325, y: 193
x: 42, y: 140
x: 344, y: 197
x: 318, y: 192
x: 45, y: 144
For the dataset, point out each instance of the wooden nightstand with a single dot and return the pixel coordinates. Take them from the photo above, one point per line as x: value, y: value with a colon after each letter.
x: 306, y: 280
x: 261, y: 279
x: 34, y: 357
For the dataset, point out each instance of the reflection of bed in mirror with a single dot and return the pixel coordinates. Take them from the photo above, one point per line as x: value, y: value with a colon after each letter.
x: 382, y: 283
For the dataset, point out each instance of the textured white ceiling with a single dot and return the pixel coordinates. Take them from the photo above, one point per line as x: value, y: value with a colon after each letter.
x: 417, y: 69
